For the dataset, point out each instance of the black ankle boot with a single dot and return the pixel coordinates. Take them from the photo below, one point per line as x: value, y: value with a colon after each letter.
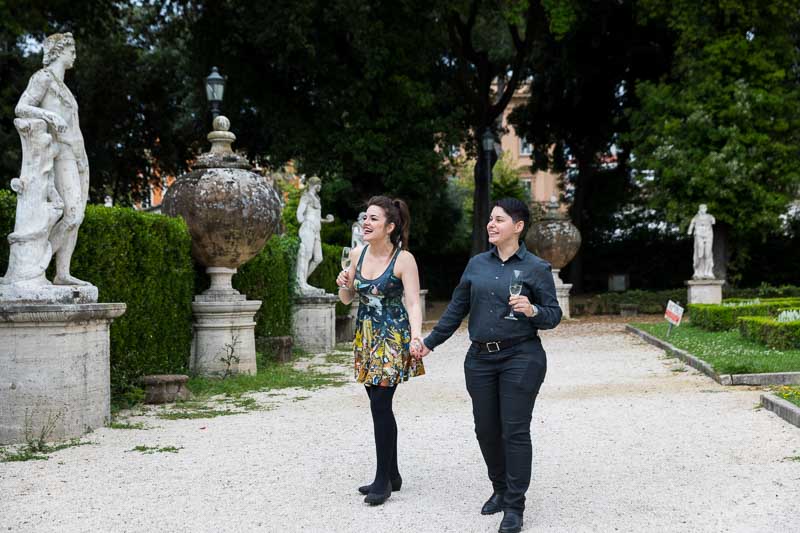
x: 512, y: 523
x: 397, y: 482
x: 377, y: 498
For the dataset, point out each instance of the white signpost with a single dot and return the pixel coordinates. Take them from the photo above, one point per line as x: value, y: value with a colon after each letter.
x: 674, y: 314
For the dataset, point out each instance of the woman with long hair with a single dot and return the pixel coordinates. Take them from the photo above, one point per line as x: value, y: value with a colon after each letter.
x: 382, y: 274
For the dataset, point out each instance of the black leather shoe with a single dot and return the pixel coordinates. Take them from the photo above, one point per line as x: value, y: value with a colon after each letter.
x: 493, y: 505
x: 396, y: 484
x: 512, y: 523
x: 377, y: 498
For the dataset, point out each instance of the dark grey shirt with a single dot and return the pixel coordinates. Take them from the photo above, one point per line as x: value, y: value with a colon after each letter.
x: 483, y: 293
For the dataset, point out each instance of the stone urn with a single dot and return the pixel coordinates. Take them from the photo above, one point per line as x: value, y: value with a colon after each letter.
x: 556, y: 240
x: 231, y: 212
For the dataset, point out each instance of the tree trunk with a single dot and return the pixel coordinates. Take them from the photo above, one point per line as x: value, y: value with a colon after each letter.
x: 480, y: 201
x: 585, y: 171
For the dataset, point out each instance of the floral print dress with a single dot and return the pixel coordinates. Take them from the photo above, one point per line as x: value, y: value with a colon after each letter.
x: 383, y: 334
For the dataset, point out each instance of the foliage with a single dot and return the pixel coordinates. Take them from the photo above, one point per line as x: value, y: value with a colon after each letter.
x: 723, y: 127
x: 144, y: 261
x: 646, y: 302
x: 269, y: 277
x: 765, y: 290
x: 771, y: 332
x: 721, y: 317
x: 324, y: 276
x: 727, y: 352
x: 131, y: 79
x: 789, y: 393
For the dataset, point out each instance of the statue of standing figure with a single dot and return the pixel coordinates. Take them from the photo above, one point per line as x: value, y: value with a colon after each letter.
x: 53, y: 186
x: 309, y: 256
x: 357, y: 231
x: 702, y: 225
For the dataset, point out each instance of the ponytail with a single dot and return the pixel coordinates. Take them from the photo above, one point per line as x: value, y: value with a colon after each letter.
x: 396, y: 213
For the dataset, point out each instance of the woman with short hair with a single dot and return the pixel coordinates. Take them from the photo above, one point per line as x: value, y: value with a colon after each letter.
x: 505, y: 364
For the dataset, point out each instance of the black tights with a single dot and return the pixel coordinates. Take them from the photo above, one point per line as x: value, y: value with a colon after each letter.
x: 385, y: 427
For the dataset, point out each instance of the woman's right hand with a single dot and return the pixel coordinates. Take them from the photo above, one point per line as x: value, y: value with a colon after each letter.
x: 343, y: 279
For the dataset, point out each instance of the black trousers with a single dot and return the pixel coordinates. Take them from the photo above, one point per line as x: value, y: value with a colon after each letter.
x: 503, y: 387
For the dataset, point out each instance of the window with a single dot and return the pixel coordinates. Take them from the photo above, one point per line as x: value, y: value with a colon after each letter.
x: 525, y: 148
x: 527, y: 185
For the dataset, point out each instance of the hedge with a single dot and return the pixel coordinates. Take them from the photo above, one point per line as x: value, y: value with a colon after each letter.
x: 721, y: 317
x: 269, y: 277
x: 144, y: 261
x: 324, y: 276
x: 765, y: 290
x: 768, y: 331
x: 647, y: 302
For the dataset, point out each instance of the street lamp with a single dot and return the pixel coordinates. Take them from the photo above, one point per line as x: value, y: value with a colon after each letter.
x: 215, y: 89
x: 487, y: 141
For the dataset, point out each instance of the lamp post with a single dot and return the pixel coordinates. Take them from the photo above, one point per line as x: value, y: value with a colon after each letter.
x: 215, y: 89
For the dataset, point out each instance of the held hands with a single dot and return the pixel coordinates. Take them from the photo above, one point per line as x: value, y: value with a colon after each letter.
x: 418, y: 349
x: 521, y: 304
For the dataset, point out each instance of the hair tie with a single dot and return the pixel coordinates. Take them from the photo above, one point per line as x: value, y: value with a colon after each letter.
x: 396, y: 203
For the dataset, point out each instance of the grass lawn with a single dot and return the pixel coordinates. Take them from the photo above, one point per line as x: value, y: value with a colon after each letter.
x: 788, y: 392
x: 270, y: 375
x: 726, y: 351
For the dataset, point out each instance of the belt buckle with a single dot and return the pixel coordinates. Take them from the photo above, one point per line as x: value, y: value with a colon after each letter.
x: 496, y: 347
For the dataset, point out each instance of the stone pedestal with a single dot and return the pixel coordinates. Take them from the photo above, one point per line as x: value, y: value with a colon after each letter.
x: 224, y: 331
x: 314, y: 322
x: 165, y: 388
x: 562, y: 293
x: 54, y: 369
x: 705, y: 291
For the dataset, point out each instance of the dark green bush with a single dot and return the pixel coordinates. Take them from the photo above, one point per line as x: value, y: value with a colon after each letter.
x: 721, y: 317
x: 144, y: 261
x: 269, y: 277
x: 647, y: 302
x: 324, y: 276
x: 770, y: 332
x: 765, y: 290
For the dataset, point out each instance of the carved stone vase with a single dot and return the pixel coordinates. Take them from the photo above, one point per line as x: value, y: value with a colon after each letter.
x: 231, y: 212
x: 556, y: 240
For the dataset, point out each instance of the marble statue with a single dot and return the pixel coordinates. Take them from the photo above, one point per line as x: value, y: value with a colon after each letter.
x: 309, y: 256
x: 702, y: 227
x: 53, y: 186
x: 357, y: 235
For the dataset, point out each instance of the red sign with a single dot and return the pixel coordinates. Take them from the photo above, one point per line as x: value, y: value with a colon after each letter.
x: 674, y: 313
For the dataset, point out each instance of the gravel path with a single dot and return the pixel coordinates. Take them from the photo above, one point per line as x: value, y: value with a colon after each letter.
x: 624, y: 440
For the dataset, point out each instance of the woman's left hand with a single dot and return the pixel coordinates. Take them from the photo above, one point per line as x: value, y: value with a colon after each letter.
x: 521, y: 304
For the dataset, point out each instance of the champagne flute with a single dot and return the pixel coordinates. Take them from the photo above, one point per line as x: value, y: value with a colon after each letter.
x: 346, y: 258
x: 514, y: 289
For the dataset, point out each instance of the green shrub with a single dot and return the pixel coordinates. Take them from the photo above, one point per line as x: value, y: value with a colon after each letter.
x: 765, y: 290
x: 647, y: 302
x: 144, y: 261
x: 721, y: 317
x: 770, y: 332
x: 269, y: 277
x: 324, y: 276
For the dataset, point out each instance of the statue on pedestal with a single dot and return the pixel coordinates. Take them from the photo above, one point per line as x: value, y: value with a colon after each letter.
x: 53, y: 186
x: 702, y: 227
x: 357, y: 231
x: 309, y: 256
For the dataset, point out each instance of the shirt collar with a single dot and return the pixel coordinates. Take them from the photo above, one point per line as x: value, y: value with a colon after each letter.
x: 520, y: 252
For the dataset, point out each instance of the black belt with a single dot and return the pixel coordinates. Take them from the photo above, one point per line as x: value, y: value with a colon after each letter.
x: 492, y: 347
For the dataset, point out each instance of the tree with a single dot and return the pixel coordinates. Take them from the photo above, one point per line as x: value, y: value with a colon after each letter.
x: 129, y: 80
x: 583, y: 84
x: 489, y: 47
x: 723, y: 128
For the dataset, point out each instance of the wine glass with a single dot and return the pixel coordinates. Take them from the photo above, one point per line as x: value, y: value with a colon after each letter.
x: 514, y: 289
x: 346, y: 258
